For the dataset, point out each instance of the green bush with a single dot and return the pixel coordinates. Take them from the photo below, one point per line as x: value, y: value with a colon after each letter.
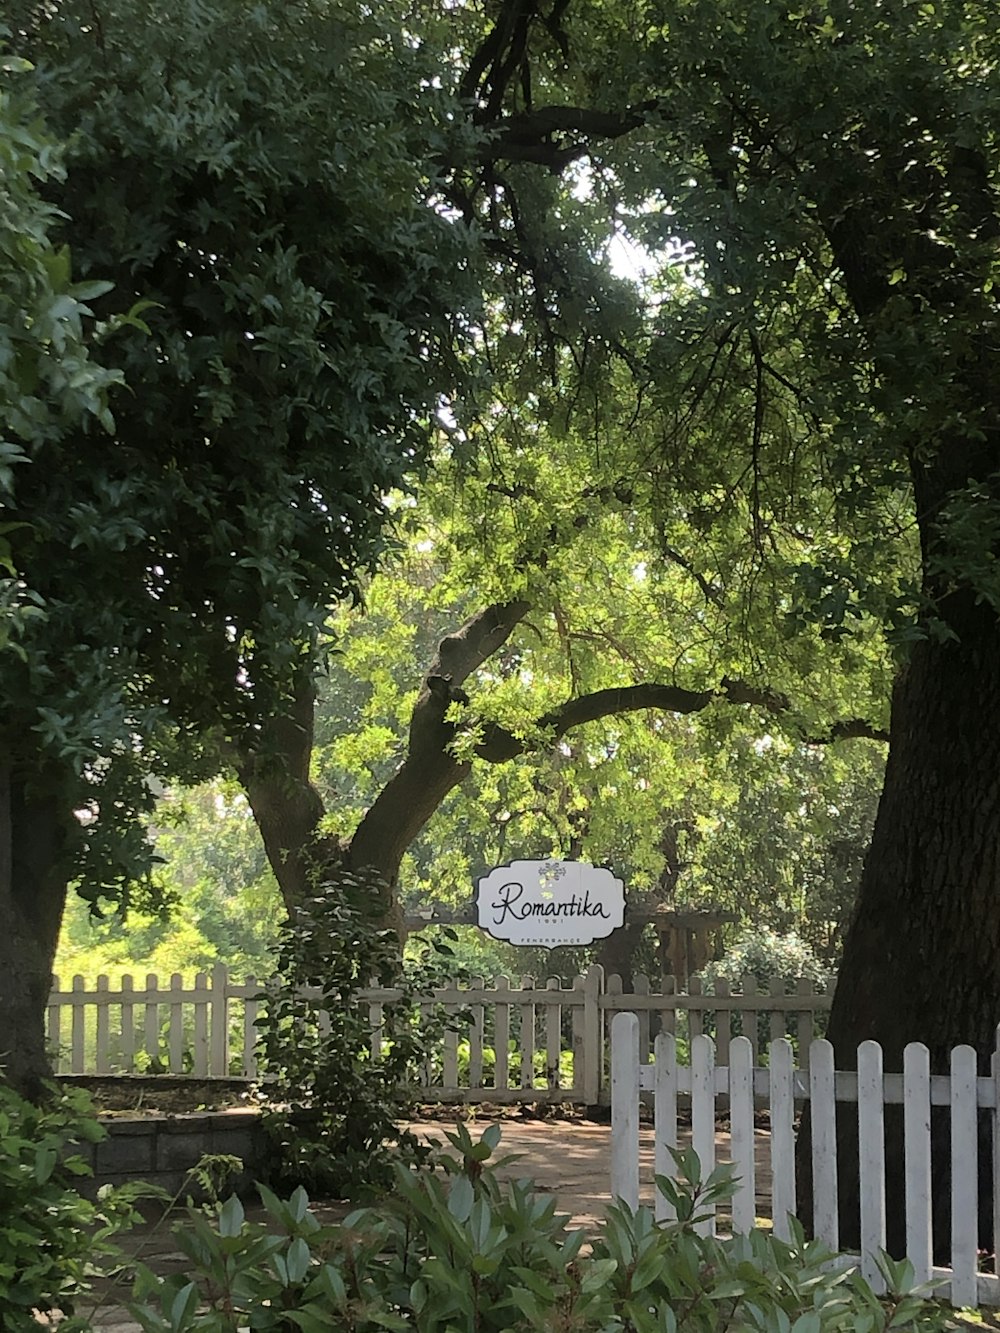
x: 459, y: 1252
x: 763, y: 953
x: 50, y: 1237
x: 339, y: 1088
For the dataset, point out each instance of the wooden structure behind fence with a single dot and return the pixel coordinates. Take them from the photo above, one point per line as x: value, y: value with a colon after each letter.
x: 512, y: 1041
x: 782, y: 1088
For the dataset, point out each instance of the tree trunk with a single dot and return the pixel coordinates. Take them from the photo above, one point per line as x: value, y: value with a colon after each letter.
x: 922, y: 955
x: 34, y: 836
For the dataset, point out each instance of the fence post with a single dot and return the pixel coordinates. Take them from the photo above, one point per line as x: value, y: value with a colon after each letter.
x: 501, y: 1036
x: 218, y: 1060
x: 251, y: 1008
x: 201, y: 1000
x: 625, y: 1109
x: 151, y: 1018
x: 128, y: 1024
x: 593, y: 1040
x: 102, y: 1026
x: 553, y: 1038
x: 77, y: 1027
x: 175, y: 1035
x: 477, y: 1029
x: 53, y: 1030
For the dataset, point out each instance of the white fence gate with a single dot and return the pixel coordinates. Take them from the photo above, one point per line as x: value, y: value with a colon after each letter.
x: 509, y: 1041
x: 781, y: 1086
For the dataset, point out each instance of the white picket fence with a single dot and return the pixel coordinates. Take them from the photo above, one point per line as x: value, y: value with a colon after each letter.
x: 779, y: 1087
x: 518, y: 1041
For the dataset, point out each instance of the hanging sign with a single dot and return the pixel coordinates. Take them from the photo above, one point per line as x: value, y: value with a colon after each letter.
x: 550, y: 902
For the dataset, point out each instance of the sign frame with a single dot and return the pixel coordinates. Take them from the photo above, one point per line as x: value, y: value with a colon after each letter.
x: 549, y: 903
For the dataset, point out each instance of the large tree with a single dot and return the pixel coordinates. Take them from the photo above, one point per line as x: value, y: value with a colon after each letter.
x: 49, y: 385
x: 264, y: 178
x: 826, y: 176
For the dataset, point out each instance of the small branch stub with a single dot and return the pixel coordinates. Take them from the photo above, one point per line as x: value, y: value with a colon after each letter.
x: 548, y: 903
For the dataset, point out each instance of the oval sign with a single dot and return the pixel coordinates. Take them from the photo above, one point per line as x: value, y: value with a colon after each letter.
x: 549, y: 903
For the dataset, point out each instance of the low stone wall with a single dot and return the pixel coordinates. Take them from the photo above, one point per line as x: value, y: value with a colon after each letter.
x: 163, y: 1148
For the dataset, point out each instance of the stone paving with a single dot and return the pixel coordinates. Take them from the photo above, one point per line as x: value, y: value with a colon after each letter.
x: 569, y: 1159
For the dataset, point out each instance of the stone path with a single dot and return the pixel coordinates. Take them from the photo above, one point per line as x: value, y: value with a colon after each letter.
x: 569, y: 1159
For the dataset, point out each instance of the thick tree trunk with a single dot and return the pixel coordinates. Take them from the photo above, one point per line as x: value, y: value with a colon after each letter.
x: 922, y: 955
x: 34, y: 836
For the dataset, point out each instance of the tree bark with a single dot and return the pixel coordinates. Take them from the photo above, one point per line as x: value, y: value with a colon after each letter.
x: 286, y: 806
x: 35, y: 837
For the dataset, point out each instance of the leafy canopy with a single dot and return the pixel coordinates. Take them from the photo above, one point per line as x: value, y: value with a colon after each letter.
x: 264, y: 178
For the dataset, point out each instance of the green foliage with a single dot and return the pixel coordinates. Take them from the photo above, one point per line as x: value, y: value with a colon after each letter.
x: 48, y: 380
x: 338, y: 1078
x: 214, y: 898
x: 459, y: 1252
x: 277, y: 204
x: 763, y: 954
x: 51, y: 1238
x: 762, y: 824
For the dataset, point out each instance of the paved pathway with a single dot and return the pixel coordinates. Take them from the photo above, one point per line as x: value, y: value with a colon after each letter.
x: 569, y: 1159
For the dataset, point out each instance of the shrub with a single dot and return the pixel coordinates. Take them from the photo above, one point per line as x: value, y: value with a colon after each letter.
x: 459, y: 1252
x: 50, y: 1236
x: 762, y: 953
x: 339, y: 1086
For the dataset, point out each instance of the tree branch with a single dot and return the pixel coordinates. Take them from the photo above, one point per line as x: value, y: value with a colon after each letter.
x: 429, y: 770
x: 554, y: 136
x: 463, y: 652
x: 500, y: 745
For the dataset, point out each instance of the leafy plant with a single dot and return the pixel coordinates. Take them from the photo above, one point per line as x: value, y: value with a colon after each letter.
x: 339, y: 1077
x: 459, y: 1251
x: 51, y: 1238
x: 763, y: 953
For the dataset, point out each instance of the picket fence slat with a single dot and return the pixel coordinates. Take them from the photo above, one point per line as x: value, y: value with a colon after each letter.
x: 502, y: 1038
x: 917, y: 1157
x: 782, y: 1104
x: 703, y: 1112
x: 964, y: 1176
x: 625, y: 1107
x: 823, y: 1125
x: 866, y: 1096
x: 871, y: 1150
x: 742, y: 1133
x: 665, y: 1117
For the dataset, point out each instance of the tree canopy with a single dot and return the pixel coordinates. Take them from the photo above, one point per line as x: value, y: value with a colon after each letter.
x: 265, y: 181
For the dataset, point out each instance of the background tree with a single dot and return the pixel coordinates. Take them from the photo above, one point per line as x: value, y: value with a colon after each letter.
x: 826, y: 178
